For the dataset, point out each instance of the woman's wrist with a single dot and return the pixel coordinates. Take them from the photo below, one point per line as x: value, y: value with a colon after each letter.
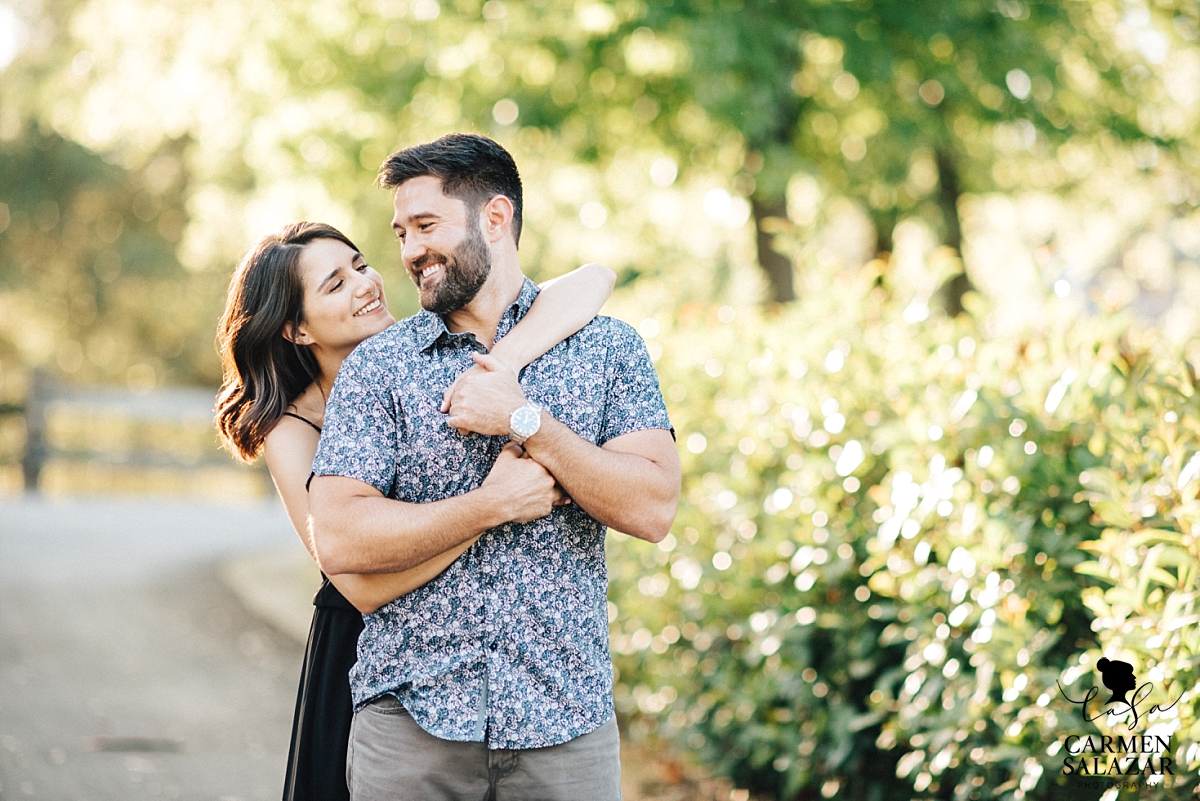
x: 506, y: 354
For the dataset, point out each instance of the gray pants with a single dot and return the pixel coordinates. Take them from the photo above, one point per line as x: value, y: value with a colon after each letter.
x: 391, y: 758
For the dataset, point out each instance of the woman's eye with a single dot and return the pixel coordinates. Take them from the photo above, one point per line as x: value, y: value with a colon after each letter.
x: 362, y: 268
x: 336, y: 286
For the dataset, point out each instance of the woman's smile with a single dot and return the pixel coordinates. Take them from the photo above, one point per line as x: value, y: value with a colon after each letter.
x: 370, y: 308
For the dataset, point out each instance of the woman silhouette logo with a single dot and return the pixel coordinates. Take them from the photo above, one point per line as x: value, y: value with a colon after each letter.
x: 1118, y: 677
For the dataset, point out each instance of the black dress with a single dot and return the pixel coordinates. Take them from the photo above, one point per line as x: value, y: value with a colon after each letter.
x: 316, y: 769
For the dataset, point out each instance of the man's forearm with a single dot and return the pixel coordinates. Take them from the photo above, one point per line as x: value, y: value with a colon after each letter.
x: 356, y: 531
x: 633, y: 493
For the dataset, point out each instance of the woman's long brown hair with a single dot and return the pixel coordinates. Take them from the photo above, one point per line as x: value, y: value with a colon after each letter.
x: 263, y: 371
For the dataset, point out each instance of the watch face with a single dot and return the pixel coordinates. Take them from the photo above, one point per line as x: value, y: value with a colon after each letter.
x: 525, y: 421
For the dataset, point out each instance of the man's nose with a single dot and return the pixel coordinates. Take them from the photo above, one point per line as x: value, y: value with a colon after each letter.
x: 411, y: 248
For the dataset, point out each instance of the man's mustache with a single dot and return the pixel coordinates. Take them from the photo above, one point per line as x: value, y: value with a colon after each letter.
x: 424, y: 261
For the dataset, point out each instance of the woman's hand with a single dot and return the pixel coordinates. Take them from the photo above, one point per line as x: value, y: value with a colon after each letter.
x: 482, y: 399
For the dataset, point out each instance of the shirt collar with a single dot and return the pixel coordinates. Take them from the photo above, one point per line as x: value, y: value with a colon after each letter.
x: 429, y: 328
x: 529, y: 292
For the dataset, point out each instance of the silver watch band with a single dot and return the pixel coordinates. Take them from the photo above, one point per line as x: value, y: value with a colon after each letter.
x: 520, y: 428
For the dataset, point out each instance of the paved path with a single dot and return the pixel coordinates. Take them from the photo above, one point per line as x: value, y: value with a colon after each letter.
x: 128, y: 670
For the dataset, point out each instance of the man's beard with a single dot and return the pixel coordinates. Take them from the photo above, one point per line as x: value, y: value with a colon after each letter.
x: 463, y: 272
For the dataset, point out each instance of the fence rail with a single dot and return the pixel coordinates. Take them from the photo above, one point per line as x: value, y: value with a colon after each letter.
x: 187, y: 408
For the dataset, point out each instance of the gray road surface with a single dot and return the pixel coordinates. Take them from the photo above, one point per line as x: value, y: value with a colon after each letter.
x: 127, y: 669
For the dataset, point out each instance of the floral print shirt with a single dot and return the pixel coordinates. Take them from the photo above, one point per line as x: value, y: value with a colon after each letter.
x: 509, y: 645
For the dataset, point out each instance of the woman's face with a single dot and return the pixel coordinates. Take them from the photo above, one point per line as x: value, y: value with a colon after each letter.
x: 343, y: 298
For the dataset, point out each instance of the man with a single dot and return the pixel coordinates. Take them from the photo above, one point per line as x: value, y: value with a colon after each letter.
x: 494, y: 680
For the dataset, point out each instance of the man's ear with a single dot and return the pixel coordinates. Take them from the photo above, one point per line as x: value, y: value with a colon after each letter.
x: 496, y: 218
x: 296, y: 334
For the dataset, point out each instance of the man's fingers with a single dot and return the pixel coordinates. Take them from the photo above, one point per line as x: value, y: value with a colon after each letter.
x: 448, y: 394
x: 488, y: 362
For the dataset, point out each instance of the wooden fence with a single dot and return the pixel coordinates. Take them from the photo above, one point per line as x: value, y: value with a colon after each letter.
x: 175, y: 413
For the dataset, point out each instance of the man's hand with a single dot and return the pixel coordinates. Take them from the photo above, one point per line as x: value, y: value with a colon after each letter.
x: 522, y: 486
x: 482, y: 399
x: 631, y: 483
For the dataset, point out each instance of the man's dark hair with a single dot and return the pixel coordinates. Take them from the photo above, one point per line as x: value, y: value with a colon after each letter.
x: 472, y: 168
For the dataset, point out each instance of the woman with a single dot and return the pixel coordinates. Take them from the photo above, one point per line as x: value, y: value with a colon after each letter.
x: 298, y: 303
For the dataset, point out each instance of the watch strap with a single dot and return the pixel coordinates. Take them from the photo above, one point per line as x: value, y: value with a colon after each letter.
x: 516, y: 436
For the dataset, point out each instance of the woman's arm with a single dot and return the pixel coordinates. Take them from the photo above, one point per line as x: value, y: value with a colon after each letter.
x: 289, y: 451
x: 565, y: 305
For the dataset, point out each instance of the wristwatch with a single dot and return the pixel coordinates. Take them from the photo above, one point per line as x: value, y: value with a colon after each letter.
x: 524, y: 422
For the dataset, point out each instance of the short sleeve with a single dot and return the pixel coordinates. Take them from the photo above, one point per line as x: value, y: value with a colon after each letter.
x: 634, y: 401
x: 360, y: 435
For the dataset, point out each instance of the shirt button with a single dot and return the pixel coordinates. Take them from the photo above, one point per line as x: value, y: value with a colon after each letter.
x: 494, y: 646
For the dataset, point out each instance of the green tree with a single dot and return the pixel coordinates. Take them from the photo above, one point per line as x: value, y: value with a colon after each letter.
x: 88, y: 273
x: 905, y: 106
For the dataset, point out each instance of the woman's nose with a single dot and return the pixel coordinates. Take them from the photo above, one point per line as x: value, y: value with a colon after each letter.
x: 364, y: 287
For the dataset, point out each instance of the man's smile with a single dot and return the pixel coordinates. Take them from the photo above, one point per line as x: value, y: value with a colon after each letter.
x: 427, y: 267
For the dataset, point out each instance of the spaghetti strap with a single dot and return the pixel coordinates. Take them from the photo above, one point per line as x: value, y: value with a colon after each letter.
x: 305, y: 419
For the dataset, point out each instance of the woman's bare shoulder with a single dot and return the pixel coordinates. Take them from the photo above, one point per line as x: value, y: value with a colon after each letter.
x: 290, y: 446
x: 290, y: 439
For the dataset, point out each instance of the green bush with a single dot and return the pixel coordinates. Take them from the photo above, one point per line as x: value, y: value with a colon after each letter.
x: 1146, y: 559
x: 885, y: 561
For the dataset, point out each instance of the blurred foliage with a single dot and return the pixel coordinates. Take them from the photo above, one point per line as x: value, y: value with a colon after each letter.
x: 638, y: 126
x: 874, y: 582
x: 905, y: 106
x: 89, y: 280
